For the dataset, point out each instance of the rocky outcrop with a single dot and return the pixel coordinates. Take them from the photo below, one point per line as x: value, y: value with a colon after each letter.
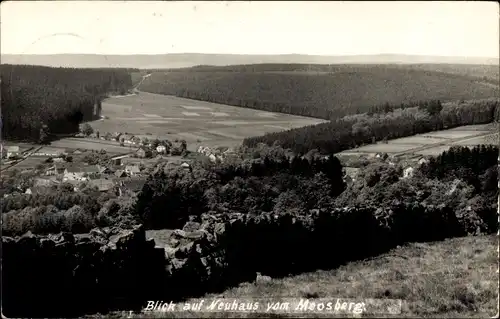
x: 65, y: 275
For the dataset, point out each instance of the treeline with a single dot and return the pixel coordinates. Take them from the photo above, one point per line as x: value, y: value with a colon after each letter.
x: 328, y: 95
x: 352, y: 131
x: 38, y: 101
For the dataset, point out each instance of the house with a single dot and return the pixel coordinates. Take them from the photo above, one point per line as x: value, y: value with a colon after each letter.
x: 12, y: 151
x: 121, y: 173
x: 116, y: 136
x: 161, y: 149
x: 102, y: 184
x: 77, y: 151
x: 212, y: 158
x: 408, y: 172
x: 132, y: 169
x: 185, y: 165
x: 127, y: 138
x: 80, y: 173
x: 58, y: 160
x: 423, y: 161
x: 104, y: 169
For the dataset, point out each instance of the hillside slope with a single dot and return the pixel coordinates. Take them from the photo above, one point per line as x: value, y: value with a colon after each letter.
x: 453, y: 278
x: 317, y: 91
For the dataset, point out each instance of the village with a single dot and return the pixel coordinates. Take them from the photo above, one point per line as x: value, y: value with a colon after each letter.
x: 98, y: 169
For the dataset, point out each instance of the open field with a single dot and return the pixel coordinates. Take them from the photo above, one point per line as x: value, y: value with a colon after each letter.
x: 174, y: 118
x: 432, y: 143
x: 323, y: 91
x: 454, y: 278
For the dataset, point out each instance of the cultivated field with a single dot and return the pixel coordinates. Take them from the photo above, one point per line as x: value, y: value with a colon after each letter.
x: 197, y: 122
x: 432, y: 143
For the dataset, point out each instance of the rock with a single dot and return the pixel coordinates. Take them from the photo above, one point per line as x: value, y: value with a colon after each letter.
x: 169, y: 251
x: 191, y: 226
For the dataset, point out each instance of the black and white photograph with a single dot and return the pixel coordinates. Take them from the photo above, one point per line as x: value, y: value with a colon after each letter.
x: 249, y: 159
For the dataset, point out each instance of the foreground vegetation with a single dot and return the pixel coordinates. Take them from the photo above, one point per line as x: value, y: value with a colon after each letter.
x: 38, y: 101
x: 320, y: 91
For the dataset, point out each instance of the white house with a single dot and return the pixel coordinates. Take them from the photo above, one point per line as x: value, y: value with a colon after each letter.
x: 212, y: 158
x: 408, y: 172
x: 423, y: 161
x: 161, y: 149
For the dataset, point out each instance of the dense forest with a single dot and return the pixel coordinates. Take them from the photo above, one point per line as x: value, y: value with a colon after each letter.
x: 356, y: 130
x: 320, y: 91
x: 38, y: 101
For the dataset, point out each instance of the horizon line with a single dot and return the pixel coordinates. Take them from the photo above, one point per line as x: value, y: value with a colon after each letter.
x: 253, y: 54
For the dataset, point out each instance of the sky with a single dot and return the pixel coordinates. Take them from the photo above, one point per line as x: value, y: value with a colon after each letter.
x: 468, y: 29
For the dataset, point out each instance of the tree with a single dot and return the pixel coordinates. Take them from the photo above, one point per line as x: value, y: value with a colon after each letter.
x: 44, y: 134
x: 86, y: 129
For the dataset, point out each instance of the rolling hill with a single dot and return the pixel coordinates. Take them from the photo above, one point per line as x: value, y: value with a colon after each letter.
x: 322, y: 91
